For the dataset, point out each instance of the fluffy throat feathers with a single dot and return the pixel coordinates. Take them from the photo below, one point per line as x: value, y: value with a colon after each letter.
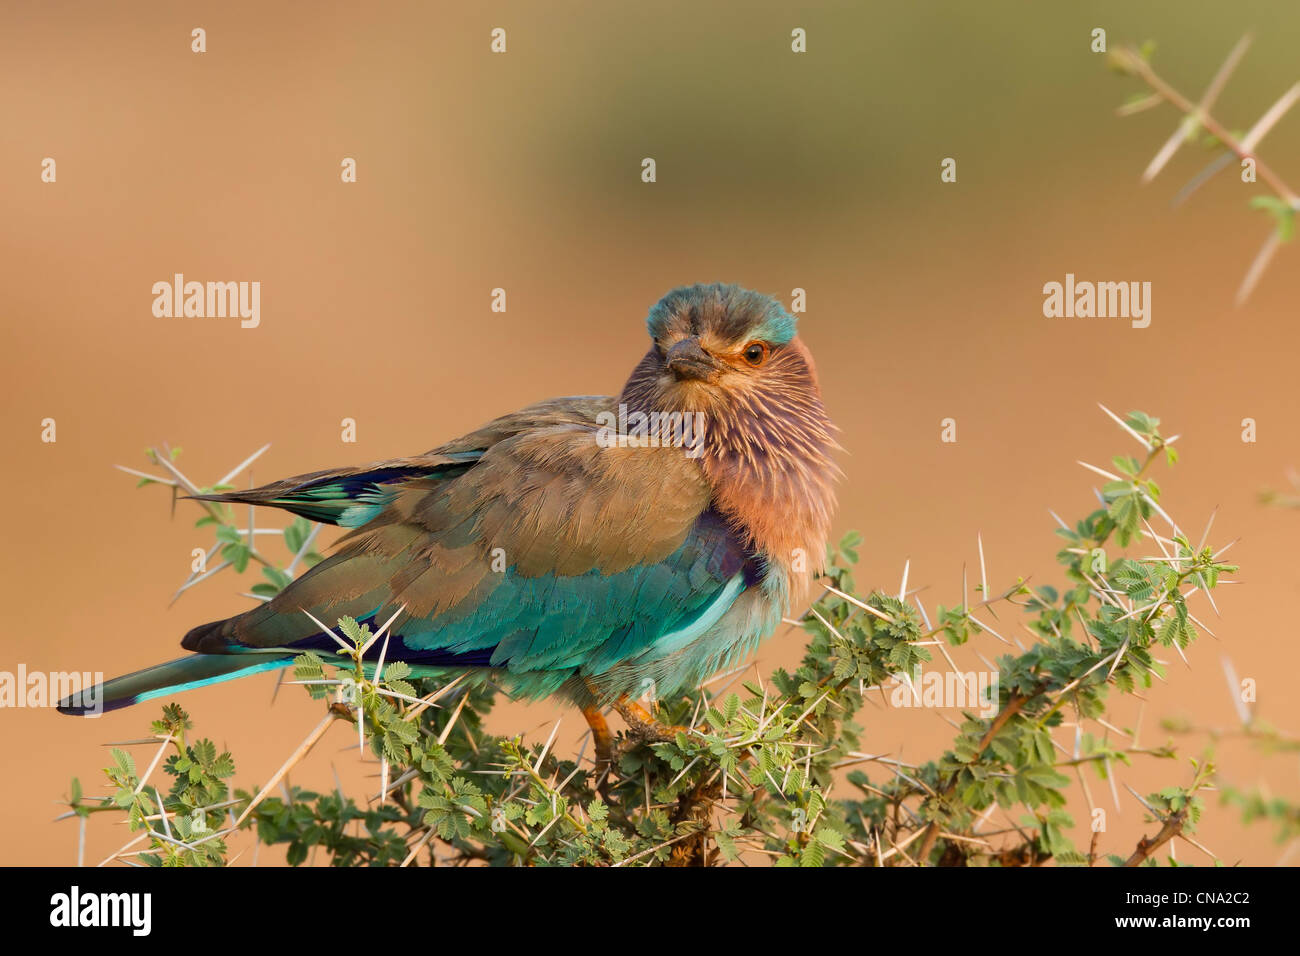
x: 766, y: 450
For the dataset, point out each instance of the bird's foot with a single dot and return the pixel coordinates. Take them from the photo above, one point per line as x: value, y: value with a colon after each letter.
x: 641, y: 724
x: 642, y: 728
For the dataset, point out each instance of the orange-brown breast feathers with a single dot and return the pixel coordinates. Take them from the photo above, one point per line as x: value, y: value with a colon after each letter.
x: 768, y: 458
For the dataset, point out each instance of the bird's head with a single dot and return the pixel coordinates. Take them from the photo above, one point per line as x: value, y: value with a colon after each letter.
x: 731, y: 358
x: 717, y: 345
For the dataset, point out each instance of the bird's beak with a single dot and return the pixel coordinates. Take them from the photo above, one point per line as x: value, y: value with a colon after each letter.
x: 688, y: 360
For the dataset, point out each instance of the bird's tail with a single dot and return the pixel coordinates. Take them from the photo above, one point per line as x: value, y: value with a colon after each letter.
x: 184, y: 673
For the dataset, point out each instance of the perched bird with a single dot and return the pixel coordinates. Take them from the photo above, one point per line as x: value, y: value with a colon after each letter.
x: 580, y: 546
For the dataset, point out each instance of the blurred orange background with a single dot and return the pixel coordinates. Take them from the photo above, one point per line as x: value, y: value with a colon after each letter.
x: 522, y: 171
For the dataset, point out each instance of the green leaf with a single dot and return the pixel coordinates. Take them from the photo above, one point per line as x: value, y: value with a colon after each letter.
x: 296, y: 534
x: 1282, y: 212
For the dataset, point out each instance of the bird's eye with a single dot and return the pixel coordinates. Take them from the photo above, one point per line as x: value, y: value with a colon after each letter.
x: 755, y: 353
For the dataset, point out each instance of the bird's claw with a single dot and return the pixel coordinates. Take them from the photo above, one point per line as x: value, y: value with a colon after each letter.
x: 642, y: 727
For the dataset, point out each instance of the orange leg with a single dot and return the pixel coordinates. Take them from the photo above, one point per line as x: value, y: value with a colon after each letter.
x: 601, y: 734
